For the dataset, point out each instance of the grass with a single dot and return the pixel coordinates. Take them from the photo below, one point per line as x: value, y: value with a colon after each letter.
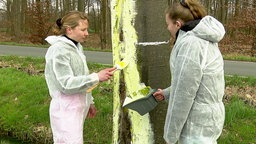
x: 240, y: 123
x: 239, y: 58
x: 240, y: 117
x: 10, y: 141
x: 240, y: 81
x: 24, y: 105
x: 20, y: 44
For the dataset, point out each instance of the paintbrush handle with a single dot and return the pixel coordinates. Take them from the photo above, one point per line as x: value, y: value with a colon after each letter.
x: 91, y: 88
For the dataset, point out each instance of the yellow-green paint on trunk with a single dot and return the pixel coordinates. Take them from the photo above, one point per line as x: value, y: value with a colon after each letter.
x: 116, y: 11
x: 122, y: 20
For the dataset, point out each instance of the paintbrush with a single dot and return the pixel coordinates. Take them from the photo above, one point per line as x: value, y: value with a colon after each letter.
x: 91, y: 88
x: 121, y: 65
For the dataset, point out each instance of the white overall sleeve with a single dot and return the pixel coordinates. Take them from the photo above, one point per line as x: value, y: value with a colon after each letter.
x: 186, y: 79
x: 166, y: 93
x: 68, y: 83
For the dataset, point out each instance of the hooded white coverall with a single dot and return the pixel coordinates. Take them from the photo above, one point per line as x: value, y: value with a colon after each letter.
x: 68, y: 78
x: 196, y: 112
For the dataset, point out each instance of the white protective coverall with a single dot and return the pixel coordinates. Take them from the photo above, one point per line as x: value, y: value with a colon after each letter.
x: 68, y: 78
x: 196, y: 112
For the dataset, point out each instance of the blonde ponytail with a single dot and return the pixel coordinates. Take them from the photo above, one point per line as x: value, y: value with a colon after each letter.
x: 198, y: 11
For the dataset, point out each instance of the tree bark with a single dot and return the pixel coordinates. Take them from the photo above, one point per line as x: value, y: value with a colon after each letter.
x: 23, y: 16
x: 103, y: 24
x: 81, y: 5
x: 253, y: 49
x: 237, y: 7
x: 15, y: 19
x: 154, y: 60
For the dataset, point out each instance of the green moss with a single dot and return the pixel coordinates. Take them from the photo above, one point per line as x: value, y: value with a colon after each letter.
x: 145, y: 91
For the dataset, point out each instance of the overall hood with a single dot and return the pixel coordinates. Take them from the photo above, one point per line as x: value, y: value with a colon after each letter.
x: 55, y: 39
x: 209, y: 29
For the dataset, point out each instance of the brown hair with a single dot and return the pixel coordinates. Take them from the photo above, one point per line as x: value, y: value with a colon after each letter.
x: 186, y: 10
x: 71, y: 19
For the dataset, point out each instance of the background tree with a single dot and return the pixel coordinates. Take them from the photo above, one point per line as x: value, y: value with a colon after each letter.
x: 240, y: 36
x: 16, y: 16
x: 104, y: 22
x: 40, y: 14
x: 81, y: 5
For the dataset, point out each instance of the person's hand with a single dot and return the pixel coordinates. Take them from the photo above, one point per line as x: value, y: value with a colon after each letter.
x: 159, y: 95
x: 92, y: 111
x: 105, y: 74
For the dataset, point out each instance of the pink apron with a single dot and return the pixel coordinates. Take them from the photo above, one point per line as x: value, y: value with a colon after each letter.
x: 67, y: 116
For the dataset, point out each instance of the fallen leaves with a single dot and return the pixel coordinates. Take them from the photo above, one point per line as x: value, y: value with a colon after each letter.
x: 247, y: 93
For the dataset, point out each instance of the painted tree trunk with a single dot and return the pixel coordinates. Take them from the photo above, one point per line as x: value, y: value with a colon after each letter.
x: 128, y: 126
x: 134, y: 22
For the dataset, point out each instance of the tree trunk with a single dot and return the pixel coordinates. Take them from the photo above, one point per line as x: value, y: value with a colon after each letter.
x: 15, y: 19
x: 66, y: 6
x: 237, y: 7
x: 226, y: 12
x: 138, y: 129
x: 103, y: 24
x: 23, y: 16
x: 81, y: 5
x: 8, y: 12
x: 88, y: 7
x: 73, y: 4
x: 154, y: 60
x: 94, y: 19
x: 253, y: 49
x: 57, y: 7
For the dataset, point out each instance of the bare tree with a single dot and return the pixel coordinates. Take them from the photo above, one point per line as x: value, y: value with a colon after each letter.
x: 94, y: 17
x: 66, y: 6
x: 22, y: 15
x: 56, y: 6
x: 81, y: 5
x: 73, y: 5
x: 15, y: 16
x: 253, y: 49
x: 221, y: 10
x: 88, y: 6
x: 103, y: 23
x: 237, y: 7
